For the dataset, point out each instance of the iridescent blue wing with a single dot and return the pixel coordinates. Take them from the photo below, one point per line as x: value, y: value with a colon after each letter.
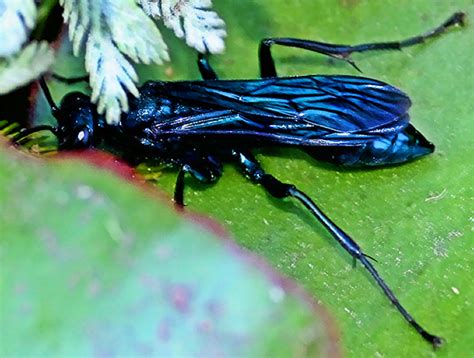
x: 309, y: 110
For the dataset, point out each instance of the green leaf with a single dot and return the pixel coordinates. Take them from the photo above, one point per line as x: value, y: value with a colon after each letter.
x: 92, y: 265
x: 416, y: 219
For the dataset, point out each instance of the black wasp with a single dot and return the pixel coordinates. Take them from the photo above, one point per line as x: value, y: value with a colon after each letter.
x: 198, y: 125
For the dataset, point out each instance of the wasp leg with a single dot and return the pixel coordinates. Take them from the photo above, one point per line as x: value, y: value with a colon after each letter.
x: 343, y: 52
x: 178, y: 197
x: 205, y: 68
x: 204, y: 168
x: 70, y: 80
x: 277, y: 189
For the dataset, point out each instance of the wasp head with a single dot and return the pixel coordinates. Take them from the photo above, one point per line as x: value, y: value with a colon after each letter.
x: 77, y: 120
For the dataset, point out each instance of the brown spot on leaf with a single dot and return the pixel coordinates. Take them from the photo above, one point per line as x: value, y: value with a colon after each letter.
x: 163, y: 332
x: 349, y: 3
x: 180, y: 297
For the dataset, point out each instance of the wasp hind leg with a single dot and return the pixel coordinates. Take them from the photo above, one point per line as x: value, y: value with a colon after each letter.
x: 204, y: 168
x: 343, y: 52
x: 252, y: 169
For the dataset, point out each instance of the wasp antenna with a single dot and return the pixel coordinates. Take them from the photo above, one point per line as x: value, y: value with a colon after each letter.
x: 49, y: 98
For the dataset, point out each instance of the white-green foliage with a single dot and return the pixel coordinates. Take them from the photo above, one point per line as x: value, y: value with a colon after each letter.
x: 17, y: 18
x: 192, y: 20
x: 111, y: 29
x: 114, y: 31
x: 25, y: 66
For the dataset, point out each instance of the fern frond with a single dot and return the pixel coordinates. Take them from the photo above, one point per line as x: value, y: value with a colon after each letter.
x: 115, y: 32
x: 192, y: 20
x: 110, y: 75
x: 24, y: 67
x: 17, y: 18
x: 111, y: 29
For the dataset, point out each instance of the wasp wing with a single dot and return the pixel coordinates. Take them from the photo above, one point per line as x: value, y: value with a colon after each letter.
x: 308, y: 110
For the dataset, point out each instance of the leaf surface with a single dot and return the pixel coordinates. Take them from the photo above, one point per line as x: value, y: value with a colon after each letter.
x: 92, y: 265
x: 416, y: 219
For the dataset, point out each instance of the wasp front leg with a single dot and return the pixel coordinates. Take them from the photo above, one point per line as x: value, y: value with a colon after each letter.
x: 178, y: 197
x: 203, y: 167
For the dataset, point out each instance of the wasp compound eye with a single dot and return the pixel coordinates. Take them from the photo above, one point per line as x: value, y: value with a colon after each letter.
x: 79, y: 137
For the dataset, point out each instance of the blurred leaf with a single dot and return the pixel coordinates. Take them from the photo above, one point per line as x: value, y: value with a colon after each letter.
x: 92, y: 265
x: 25, y: 66
x: 17, y: 18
